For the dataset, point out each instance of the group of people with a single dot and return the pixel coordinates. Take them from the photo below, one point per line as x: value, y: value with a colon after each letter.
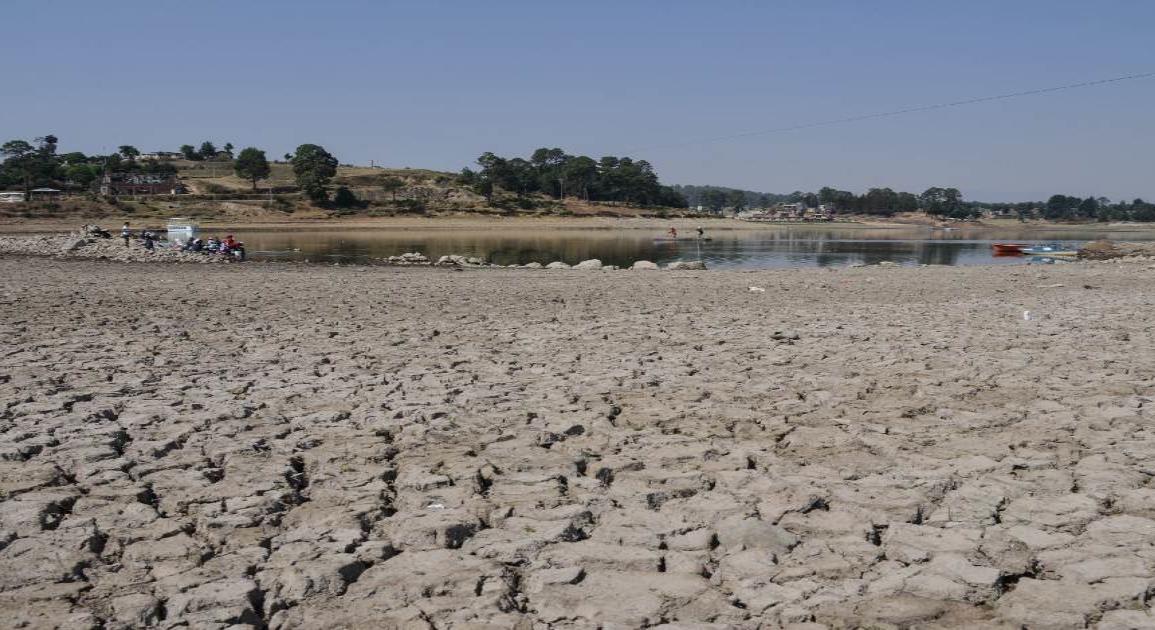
x: 673, y: 233
x: 148, y: 238
x: 228, y: 246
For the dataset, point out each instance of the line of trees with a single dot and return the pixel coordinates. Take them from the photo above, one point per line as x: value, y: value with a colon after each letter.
x: 30, y: 164
x: 1067, y: 208
x: 555, y: 173
x: 717, y: 198
x: 207, y: 151
x: 27, y: 165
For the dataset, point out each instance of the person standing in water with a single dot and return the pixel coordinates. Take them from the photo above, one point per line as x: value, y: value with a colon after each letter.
x: 672, y: 233
x: 701, y: 232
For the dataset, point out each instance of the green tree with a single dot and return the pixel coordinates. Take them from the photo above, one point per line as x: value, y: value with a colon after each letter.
x: 81, y: 174
x: 943, y: 202
x: 190, y: 152
x: 1089, y: 208
x: 20, y: 161
x: 229, y: 148
x: 392, y: 184
x: 207, y: 151
x: 252, y: 165
x: 580, y: 174
x: 129, y: 152
x: 1060, y: 207
x: 314, y: 168
x: 712, y: 199
x: 736, y: 199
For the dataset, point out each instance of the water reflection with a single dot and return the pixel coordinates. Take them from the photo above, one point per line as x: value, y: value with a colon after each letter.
x: 794, y: 246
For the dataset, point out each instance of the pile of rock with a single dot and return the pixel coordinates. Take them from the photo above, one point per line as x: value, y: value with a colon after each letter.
x: 409, y: 258
x: 592, y: 264
x: 82, y: 246
x: 1106, y: 250
x: 461, y: 261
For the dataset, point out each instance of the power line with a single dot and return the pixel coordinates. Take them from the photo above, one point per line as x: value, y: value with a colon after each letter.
x: 898, y: 112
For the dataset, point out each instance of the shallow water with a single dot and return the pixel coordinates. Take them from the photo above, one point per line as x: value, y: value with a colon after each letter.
x: 787, y: 246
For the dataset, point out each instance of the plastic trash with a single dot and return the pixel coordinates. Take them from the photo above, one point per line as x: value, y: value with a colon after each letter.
x: 757, y: 290
x: 1026, y: 316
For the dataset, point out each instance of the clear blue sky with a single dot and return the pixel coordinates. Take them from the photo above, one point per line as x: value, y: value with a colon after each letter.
x: 434, y: 84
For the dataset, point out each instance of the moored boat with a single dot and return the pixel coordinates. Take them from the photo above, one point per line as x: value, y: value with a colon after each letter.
x: 1007, y: 249
x: 1050, y: 250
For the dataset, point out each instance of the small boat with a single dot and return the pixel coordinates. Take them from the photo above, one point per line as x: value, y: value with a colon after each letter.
x: 1049, y: 250
x: 1007, y: 249
x: 181, y: 225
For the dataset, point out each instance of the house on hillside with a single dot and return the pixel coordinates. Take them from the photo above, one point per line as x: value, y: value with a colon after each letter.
x: 45, y: 194
x: 116, y: 184
x: 161, y: 155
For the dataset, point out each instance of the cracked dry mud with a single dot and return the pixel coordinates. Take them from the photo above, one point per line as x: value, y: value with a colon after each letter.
x: 316, y: 447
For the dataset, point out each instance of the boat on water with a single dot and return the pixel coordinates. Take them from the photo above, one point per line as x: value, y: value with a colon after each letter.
x: 1008, y: 249
x: 181, y: 226
x: 1050, y: 250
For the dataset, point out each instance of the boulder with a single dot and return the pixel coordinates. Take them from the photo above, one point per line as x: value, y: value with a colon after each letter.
x: 532, y: 265
x: 452, y: 260
x: 644, y: 265
x: 557, y: 264
x: 589, y: 264
x: 686, y: 265
x: 75, y: 244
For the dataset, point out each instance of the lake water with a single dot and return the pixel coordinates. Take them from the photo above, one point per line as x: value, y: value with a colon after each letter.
x: 785, y: 246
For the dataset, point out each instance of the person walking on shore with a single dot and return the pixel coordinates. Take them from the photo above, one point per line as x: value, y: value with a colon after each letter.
x: 125, y: 233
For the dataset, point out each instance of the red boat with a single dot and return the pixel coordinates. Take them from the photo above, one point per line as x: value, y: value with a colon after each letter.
x: 1007, y: 249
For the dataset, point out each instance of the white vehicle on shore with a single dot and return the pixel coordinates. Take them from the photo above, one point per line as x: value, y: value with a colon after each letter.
x: 180, y: 226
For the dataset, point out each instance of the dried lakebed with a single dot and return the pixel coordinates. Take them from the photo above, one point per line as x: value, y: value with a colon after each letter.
x: 317, y: 447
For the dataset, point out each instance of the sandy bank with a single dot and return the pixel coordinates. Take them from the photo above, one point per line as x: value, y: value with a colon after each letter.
x: 314, y: 447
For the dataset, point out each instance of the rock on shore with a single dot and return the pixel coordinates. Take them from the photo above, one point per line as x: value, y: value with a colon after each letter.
x: 80, y: 246
x: 1108, y: 250
x: 318, y: 447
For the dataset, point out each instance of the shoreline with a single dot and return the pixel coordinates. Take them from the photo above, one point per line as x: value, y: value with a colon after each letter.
x: 466, y: 222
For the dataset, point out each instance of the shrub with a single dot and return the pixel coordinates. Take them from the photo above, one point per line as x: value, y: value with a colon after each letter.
x: 345, y: 199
